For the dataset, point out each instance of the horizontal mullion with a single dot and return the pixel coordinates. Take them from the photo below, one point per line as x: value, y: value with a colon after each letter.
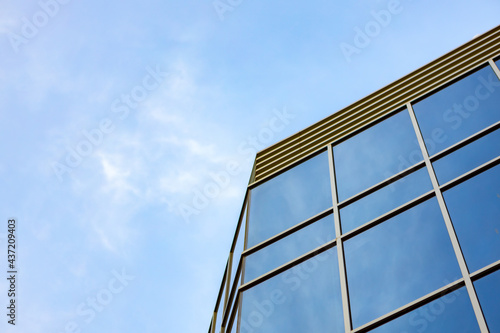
x: 288, y: 232
x: 465, y: 142
x: 451, y: 287
x: 288, y: 265
x: 382, y: 184
x: 485, y: 270
x: 472, y: 173
x: 332, y: 136
x: 396, y: 211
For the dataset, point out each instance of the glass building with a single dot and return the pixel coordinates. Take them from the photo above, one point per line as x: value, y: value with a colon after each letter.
x: 383, y: 217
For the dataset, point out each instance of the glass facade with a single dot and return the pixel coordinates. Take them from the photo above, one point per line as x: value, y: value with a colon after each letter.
x: 436, y: 317
x: 488, y: 291
x: 459, y: 110
x: 385, y: 199
x: 288, y: 248
x: 289, y: 198
x: 304, y: 298
x: 393, y: 227
x: 474, y: 208
x: 399, y: 268
x: 467, y: 158
x: 374, y: 155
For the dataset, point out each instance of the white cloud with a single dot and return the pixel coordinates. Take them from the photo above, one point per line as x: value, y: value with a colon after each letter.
x: 117, y: 171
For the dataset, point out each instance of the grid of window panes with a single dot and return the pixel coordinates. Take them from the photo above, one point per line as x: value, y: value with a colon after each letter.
x: 393, y: 229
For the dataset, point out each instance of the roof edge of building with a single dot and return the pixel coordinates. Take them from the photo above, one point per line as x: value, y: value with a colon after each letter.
x: 375, y: 106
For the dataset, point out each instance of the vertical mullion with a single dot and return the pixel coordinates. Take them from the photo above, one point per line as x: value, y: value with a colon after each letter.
x: 239, y: 295
x: 495, y: 67
x: 228, y: 280
x: 340, y: 246
x: 244, y: 223
x: 449, y: 225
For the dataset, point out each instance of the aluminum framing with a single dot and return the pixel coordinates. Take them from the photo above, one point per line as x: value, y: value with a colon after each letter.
x: 466, y: 279
x: 487, y: 47
x: 449, y: 225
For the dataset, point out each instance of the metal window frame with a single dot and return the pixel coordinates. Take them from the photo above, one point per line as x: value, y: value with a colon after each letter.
x: 341, y: 237
x: 237, y: 291
x: 287, y: 232
x: 449, y: 226
x: 286, y: 154
x: 344, y: 291
x: 227, y: 286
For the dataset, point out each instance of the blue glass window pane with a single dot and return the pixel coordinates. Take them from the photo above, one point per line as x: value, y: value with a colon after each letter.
x: 303, y: 299
x: 289, y: 248
x: 474, y: 208
x: 468, y: 157
x: 385, y: 199
x: 459, y: 110
x: 398, y: 261
x: 289, y: 198
x: 450, y: 313
x: 375, y: 154
x: 488, y: 292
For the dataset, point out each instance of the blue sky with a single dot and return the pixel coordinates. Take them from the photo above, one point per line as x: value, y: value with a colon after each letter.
x: 116, y: 117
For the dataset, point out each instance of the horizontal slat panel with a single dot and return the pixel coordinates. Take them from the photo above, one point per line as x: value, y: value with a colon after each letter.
x: 377, y: 105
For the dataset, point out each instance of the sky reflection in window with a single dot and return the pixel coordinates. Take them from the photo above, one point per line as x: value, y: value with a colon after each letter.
x: 450, y: 313
x: 474, y: 208
x: 375, y: 154
x: 385, y: 199
x: 459, y: 110
x: 488, y: 292
x: 398, y: 261
x: 468, y: 157
x: 289, y: 198
x: 289, y: 248
x: 303, y: 299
